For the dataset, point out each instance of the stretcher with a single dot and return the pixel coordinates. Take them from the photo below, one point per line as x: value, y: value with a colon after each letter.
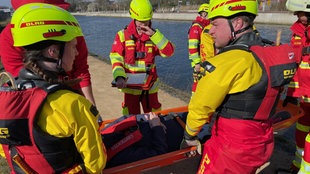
x: 282, y: 119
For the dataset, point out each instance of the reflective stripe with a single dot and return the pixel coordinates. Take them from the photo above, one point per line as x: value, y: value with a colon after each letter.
x: 302, y: 128
x: 149, y: 44
x: 162, y: 44
x: 155, y: 110
x: 304, y: 167
x: 192, y: 132
x: 115, y: 57
x: 125, y: 110
x: 193, y: 43
x: 159, y: 40
x: 298, y: 157
x: 293, y: 85
x: 121, y: 35
x: 118, y: 71
x: 306, y: 99
x: 139, y: 66
x: 195, y: 61
x: 197, y: 24
x: 117, y: 64
x: 304, y: 65
x: 129, y: 43
x: 308, y: 138
x: 194, y: 56
x: 155, y: 87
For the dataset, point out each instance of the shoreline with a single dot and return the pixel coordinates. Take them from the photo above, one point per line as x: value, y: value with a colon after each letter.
x: 283, y: 18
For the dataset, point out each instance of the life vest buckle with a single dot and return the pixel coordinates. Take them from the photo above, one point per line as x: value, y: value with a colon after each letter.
x: 139, y: 55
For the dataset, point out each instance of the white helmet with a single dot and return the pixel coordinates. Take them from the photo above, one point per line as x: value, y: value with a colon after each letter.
x: 298, y: 5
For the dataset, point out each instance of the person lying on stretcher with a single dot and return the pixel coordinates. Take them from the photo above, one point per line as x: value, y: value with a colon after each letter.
x: 136, y: 137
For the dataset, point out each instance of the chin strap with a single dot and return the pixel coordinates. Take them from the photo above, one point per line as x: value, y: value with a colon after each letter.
x: 58, y: 61
x: 233, y: 32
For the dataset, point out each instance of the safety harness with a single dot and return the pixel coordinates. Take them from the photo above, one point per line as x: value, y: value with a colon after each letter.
x: 28, y: 149
x: 259, y: 101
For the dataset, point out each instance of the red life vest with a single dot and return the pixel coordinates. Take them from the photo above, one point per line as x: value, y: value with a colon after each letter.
x: 130, y: 134
x: 259, y: 101
x: 24, y: 143
x: 131, y: 54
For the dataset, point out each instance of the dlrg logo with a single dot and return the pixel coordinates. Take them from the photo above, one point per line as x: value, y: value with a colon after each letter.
x: 4, y: 133
x: 289, y: 73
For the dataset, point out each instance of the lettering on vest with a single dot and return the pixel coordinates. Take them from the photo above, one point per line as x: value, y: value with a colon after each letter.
x: 258, y: 103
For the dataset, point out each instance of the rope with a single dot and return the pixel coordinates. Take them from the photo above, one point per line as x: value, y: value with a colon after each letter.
x: 6, y: 79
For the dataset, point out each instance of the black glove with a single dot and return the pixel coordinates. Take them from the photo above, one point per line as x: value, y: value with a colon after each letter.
x: 289, y: 99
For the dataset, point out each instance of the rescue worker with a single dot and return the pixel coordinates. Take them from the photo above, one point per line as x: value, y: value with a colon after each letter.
x: 233, y: 91
x: 62, y: 125
x: 207, y: 48
x: 298, y: 90
x: 12, y: 57
x: 194, y: 34
x: 133, y: 52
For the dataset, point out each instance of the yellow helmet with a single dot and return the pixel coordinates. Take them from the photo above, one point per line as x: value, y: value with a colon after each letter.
x: 298, y: 5
x: 35, y: 22
x: 203, y: 7
x: 141, y: 10
x: 227, y: 8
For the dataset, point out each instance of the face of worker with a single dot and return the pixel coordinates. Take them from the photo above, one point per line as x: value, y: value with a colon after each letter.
x: 204, y: 14
x: 220, y: 32
x: 70, y: 52
x: 303, y: 17
x: 141, y: 23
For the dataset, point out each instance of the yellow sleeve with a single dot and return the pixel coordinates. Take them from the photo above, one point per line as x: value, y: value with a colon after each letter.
x: 2, y: 154
x: 233, y: 71
x: 66, y: 114
x: 207, y: 48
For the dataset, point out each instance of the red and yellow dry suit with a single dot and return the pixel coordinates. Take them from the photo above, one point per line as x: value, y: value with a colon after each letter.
x: 2, y: 152
x: 68, y: 121
x: 300, y: 88
x: 133, y: 53
x: 207, y: 48
x: 194, y: 34
x: 236, y: 145
x: 12, y: 58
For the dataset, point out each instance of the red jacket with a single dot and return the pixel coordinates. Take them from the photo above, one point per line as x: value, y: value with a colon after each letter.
x: 128, y: 45
x: 300, y: 85
x: 194, y: 38
x: 12, y: 58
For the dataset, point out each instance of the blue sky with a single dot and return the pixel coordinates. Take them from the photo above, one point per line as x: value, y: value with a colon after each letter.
x: 5, y: 3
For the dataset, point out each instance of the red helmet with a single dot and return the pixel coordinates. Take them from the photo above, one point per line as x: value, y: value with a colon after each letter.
x: 59, y: 3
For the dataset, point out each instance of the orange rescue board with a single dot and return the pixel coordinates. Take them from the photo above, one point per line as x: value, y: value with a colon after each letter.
x: 171, y: 158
